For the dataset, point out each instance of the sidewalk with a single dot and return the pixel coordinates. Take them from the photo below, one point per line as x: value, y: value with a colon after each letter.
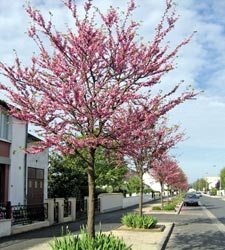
x: 39, y: 239
x: 140, y: 240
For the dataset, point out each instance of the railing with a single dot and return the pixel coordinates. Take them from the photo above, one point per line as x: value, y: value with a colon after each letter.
x: 67, y: 208
x: 25, y: 214
x: 5, y: 210
x: 56, y: 212
x: 81, y: 209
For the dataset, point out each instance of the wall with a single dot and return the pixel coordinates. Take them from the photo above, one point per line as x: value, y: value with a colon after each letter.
x: 134, y: 200
x: 110, y: 202
x: 17, y: 167
x: 5, y: 227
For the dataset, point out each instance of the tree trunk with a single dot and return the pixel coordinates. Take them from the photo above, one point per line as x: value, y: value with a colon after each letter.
x: 162, y: 191
x: 91, y: 196
x: 141, y: 192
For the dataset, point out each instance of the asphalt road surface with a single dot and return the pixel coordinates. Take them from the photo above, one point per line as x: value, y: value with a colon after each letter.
x: 200, y: 227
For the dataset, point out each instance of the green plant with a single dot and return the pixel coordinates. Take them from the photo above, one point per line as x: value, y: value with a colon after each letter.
x: 84, y: 242
x: 137, y: 221
x: 169, y: 206
x: 214, y: 191
x: 156, y: 208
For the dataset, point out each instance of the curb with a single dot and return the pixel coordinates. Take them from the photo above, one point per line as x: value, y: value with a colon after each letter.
x: 164, y: 241
x: 179, y: 208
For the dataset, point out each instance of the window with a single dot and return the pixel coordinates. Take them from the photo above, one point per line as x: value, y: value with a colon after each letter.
x: 4, y: 126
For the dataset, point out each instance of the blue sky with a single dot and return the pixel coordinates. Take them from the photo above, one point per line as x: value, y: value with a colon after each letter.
x: 201, y: 63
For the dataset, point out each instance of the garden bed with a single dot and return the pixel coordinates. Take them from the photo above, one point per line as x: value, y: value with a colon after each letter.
x: 157, y: 228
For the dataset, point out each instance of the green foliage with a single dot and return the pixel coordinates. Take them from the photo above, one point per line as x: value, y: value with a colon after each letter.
x: 156, y: 208
x: 109, y: 172
x: 85, y: 242
x: 178, y: 199
x: 201, y: 184
x: 214, y: 191
x: 133, y: 185
x: 222, y: 177
x: 68, y: 174
x: 137, y: 221
x: 170, y: 206
x: 67, y: 177
x: 147, y: 190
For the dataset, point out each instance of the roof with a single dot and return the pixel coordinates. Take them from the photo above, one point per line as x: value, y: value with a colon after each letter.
x: 32, y: 138
x: 4, y: 104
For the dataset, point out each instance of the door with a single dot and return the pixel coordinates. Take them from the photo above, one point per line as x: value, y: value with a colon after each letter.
x: 35, y: 194
x: 2, y: 183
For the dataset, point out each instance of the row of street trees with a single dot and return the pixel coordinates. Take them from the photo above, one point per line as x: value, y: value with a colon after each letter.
x: 201, y: 184
x: 93, y: 90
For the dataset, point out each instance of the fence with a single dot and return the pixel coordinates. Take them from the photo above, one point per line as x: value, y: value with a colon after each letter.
x: 57, y: 211
x: 25, y: 214
x: 5, y: 210
x: 81, y: 209
x: 67, y: 208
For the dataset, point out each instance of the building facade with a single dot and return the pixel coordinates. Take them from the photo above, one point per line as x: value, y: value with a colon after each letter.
x: 23, y: 177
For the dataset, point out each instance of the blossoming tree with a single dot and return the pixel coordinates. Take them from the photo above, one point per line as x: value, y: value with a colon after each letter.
x: 165, y: 171
x: 76, y: 92
x: 151, y: 144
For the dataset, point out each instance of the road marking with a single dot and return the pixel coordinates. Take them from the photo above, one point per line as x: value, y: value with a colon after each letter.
x: 216, y: 222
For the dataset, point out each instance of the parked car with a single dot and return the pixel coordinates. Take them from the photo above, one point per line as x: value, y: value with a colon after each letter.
x: 198, y: 194
x: 190, y: 199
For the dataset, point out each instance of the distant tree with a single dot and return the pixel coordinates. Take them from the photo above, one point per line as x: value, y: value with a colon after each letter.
x: 201, y: 184
x: 180, y: 183
x: 217, y: 185
x: 222, y: 177
x: 155, y: 138
x: 166, y: 171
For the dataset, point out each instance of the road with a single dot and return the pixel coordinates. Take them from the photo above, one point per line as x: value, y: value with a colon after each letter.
x: 201, y: 227
x: 195, y: 228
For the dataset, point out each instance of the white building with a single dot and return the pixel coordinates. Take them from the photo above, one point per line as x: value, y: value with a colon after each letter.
x: 151, y: 182
x: 212, y: 181
x: 23, y: 177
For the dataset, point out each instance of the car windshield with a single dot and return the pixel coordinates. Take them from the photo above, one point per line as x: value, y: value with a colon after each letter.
x: 191, y: 196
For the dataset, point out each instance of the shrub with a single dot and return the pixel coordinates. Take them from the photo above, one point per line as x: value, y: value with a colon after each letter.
x: 156, y: 208
x: 84, y: 242
x: 170, y: 206
x: 137, y: 221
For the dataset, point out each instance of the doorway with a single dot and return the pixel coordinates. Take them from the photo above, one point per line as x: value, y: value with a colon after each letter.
x: 35, y: 194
